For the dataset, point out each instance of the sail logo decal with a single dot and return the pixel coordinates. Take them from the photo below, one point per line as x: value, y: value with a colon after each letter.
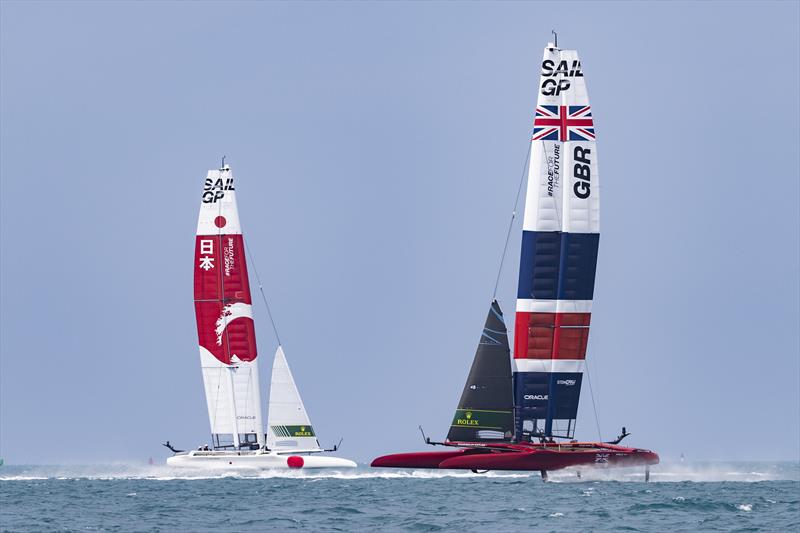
x: 582, y: 171
x: 567, y: 382
x: 206, y: 253
x: 230, y: 313
x: 536, y: 396
x: 467, y: 420
x: 563, y: 123
x: 481, y: 419
x: 551, y: 86
x: 214, y: 190
x: 293, y: 431
x: 553, y: 170
x: 228, y: 258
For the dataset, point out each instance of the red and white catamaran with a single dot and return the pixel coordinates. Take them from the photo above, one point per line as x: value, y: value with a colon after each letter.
x: 229, y: 358
x: 509, y: 419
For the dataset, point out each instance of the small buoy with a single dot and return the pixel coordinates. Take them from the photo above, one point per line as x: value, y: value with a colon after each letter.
x: 295, y: 461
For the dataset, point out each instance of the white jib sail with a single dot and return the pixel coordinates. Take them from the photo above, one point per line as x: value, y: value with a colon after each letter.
x: 289, y: 425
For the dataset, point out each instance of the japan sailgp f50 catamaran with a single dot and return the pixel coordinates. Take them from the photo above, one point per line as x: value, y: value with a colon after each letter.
x: 228, y: 355
x: 508, y: 418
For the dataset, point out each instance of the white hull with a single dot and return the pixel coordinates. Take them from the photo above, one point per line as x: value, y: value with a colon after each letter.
x: 259, y: 460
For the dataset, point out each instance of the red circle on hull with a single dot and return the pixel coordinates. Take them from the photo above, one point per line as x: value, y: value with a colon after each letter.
x: 295, y: 461
x: 220, y: 221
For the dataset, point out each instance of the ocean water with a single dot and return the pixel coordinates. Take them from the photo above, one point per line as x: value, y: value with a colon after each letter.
x: 679, y: 497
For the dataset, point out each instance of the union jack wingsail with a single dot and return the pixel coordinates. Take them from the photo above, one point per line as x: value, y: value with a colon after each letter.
x: 559, y: 253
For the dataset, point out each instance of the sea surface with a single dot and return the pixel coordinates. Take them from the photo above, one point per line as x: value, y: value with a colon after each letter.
x: 679, y: 497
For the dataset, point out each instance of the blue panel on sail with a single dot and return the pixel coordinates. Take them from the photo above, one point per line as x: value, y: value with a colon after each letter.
x: 565, y: 391
x: 557, y: 266
x: 531, y: 392
x: 538, y: 268
x: 578, y: 265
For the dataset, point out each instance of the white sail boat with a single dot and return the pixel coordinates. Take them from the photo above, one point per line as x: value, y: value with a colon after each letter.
x: 228, y: 356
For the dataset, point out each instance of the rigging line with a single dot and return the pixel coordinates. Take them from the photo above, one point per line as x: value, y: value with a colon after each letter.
x: 224, y: 317
x: 511, y: 222
x: 594, y: 406
x: 261, y: 290
x: 219, y: 271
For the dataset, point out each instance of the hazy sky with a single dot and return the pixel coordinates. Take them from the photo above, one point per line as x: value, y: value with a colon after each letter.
x: 377, y: 149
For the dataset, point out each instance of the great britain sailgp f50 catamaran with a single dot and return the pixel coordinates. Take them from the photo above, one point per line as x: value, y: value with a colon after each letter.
x: 228, y: 356
x: 508, y: 417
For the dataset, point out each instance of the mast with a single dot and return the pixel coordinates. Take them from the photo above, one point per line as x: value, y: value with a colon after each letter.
x: 559, y: 253
x: 232, y: 399
x: 230, y: 369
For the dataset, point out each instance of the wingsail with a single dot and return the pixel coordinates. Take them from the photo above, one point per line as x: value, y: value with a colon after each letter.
x: 485, y: 410
x: 223, y: 309
x: 561, y: 231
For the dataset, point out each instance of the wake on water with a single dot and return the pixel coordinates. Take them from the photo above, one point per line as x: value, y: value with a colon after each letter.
x: 681, y: 497
x: 666, y: 472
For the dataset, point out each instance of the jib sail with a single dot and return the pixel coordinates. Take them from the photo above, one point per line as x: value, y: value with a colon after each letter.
x: 484, y: 412
x: 559, y: 253
x: 224, y: 318
x: 289, y: 425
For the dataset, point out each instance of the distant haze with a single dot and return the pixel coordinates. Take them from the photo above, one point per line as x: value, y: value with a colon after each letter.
x: 377, y: 149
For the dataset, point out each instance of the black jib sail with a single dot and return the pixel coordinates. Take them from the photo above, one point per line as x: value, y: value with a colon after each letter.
x: 485, y: 411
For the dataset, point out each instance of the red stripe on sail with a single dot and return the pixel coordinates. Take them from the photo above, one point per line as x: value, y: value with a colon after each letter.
x: 551, y: 335
x: 236, y: 334
x: 223, y: 305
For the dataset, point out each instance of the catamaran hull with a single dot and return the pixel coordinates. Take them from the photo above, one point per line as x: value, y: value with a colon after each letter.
x: 522, y: 457
x: 267, y: 461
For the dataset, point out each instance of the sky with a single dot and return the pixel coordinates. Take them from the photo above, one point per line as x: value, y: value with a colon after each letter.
x: 377, y: 149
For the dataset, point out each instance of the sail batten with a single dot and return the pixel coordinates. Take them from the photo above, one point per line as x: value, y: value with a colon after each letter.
x: 558, y: 257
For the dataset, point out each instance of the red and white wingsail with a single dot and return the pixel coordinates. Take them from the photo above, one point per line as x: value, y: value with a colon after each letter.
x: 223, y: 308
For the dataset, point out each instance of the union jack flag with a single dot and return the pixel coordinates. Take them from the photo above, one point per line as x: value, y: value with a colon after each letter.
x: 563, y: 123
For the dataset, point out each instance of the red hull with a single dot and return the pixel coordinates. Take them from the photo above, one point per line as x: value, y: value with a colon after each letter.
x: 502, y: 456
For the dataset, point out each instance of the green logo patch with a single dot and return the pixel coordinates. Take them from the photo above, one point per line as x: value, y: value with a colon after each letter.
x: 475, y: 418
x: 293, y: 431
